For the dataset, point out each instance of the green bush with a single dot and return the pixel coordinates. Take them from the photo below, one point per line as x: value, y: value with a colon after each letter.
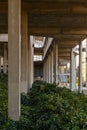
x: 46, y: 107
x: 3, y: 78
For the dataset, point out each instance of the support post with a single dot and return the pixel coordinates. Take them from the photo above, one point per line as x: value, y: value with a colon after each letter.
x: 72, y: 71
x: 44, y: 71
x: 24, y: 53
x: 0, y: 64
x: 80, y: 68
x: 14, y: 58
x: 52, y: 73
x: 49, y: 69
x: 86, y: 62
x: 5, y: 59
x: 56, y: 62
x: 30, y: 61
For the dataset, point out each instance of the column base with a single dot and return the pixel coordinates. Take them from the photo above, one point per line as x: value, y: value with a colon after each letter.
x: 14, y: 101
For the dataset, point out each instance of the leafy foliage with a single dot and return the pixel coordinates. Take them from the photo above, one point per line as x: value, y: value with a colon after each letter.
x: 46, y: 107
x: 3, y: 99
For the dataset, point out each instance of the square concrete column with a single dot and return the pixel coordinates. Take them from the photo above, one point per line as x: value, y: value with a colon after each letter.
x: 72, y: 71
x: 52, y: 73
x: 56, y: 63
x: 80, y: 68
x: 43, y: 71
x: 30, y: 61
x: 24, y: 53
x: 14, y: 58
x: 5, y: 61
x: 0, y: 64
x: 47, y: 71
x: 49, y: 68
x: 86, y: 62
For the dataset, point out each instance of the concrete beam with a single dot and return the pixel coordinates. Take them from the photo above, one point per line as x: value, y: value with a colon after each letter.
x: 55, y: 20
x: 64, y: 54
x: 56, y: 6
x: 38, y: 51
x: 64, y: 50
x: 58, y: 30
x: 65, y: 58
x: 67, y: 45
x: 73, y: 31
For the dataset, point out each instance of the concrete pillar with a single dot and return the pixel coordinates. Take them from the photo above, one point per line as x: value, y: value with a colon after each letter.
x: 47, y: 79
x: 44, y: 71
x: 48, y: 61
x: 56, y: 63
x: 49, y: 69
x: 52, y: 75
x: 86, y: 62
x: 0, y: 64
x: 72, y: 71
x: 30, y: 61
x: 75, y: 70
x: 24, y: 53
x: 5, y: 59
x: 14, y: 58
x: 80, y: 68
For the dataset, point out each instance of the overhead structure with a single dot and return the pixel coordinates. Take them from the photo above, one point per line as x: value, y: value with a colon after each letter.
x: 61, y: 24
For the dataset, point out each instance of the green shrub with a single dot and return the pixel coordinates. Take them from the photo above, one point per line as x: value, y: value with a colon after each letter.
x: 46, y: 107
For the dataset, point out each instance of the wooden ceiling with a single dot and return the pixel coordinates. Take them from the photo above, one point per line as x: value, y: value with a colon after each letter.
x: 65, y: 20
